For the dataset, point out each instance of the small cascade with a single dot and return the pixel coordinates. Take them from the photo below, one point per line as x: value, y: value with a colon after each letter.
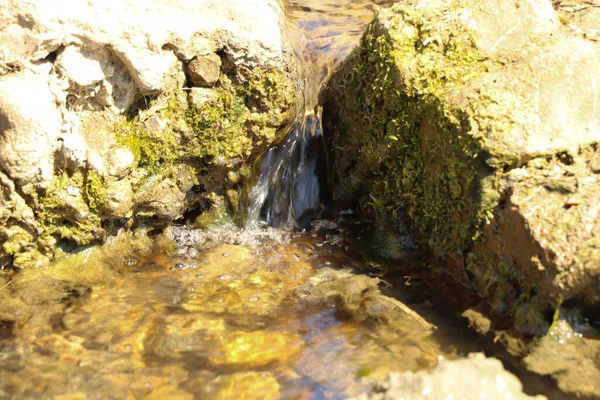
x: 291, y: 189
x: 290, y: 185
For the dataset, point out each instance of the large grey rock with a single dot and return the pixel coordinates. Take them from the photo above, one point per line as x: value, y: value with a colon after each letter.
x: 30, y: 30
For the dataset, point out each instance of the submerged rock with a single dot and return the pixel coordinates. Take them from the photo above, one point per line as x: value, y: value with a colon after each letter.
x: 111, y: 118
x: 474, y: 126
x: 242, y: 385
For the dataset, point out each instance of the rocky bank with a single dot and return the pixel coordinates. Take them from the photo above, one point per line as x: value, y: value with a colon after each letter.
x: 476, y: 127
x: 108, y: 120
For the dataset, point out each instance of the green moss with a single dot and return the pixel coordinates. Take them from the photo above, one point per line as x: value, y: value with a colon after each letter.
x: 238, y: 122
x: 413, y: 151
x: 63, y: 213
x: 95, y: 190
x: 150, y: 150
x: 15, y: 239
x: 363, y: 372
x: 215, y: 216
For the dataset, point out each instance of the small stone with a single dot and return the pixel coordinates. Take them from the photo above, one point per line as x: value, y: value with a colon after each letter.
x: 242, y: 385
x: 121, y: 160
x: 199, y: 96
x: 204, y: 70
x: 233, y: 177
x: 154, y: 124
x: 183, y: 266
x: 74, y: 150
x: 119, y: 199
x: 594, y: 163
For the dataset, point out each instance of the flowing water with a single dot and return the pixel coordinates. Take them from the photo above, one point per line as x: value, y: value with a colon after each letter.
x: 258, y: 313
x: 293, y: 178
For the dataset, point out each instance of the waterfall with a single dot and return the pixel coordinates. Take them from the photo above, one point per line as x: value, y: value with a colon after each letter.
x: 290, y: 183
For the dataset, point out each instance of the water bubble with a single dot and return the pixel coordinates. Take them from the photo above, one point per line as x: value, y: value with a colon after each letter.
x: 225, y: 277
x: 303, y: 294
x: 253, y: 299
x: 128, y: 347
x: 327, y: 262
x: 199, y: 276
x: 219, y: 300
x: 182, y: 266
x: 226, y: 254
x: 131, y: 262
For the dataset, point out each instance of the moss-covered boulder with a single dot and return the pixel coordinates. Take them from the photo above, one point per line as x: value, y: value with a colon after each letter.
x: 476, y: 125
x: 119, y: 115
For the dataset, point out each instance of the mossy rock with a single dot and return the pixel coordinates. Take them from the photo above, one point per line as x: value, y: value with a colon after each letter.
x: 468, y: 124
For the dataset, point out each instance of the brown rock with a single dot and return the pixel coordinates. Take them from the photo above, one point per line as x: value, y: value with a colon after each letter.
x: 204, y: 70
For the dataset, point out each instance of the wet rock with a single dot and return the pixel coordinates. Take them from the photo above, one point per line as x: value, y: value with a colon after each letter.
x: 490, y: 171
x: 245, y: 350
x: 29, y: 126
x: 569, y: 352
x: 162, y: 197
x: 199, y: 96
x: 204, y: 70
x: 13, y: 207
x: 187, y: 333
x: 169, y: 392
x: 110, y: 99
x: 475, y: 377
x: 12, y: 309
x: 245, y: 385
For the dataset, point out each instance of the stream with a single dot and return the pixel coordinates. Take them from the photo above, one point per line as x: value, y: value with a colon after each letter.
x: 253, y: 313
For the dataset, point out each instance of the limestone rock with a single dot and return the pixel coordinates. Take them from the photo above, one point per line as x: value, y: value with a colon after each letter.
x: 475, y: 377
x: 205, y: 70
x: 245, y: 385
x: 87, y: 90
x: 29, y: 127
x: 475, y: 126
x: 121, y: 160
x: 119, y: 199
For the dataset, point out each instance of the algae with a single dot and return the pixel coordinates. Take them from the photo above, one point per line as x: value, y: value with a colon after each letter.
x: 239, y: 121
x: 413, y: 153
x: 419, y: 130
